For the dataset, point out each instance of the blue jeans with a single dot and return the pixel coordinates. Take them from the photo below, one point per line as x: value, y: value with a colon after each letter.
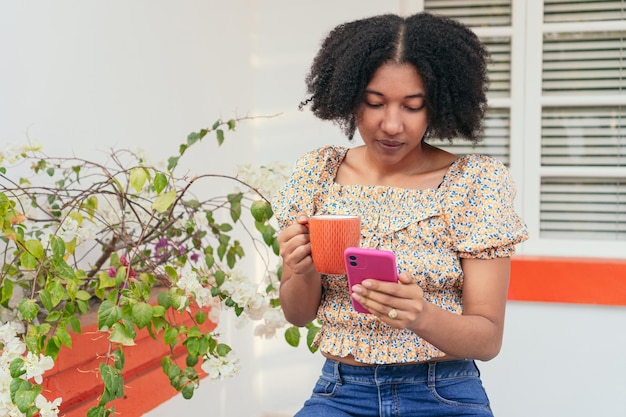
x: 445, y: 388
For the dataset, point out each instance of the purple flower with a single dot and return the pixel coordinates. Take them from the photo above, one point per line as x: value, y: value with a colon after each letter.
x: 160, y: 249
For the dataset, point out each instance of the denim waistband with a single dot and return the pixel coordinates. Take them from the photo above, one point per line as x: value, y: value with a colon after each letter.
x: 401, y: 373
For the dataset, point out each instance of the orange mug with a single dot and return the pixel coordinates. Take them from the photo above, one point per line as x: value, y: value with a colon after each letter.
x: 330, y: 235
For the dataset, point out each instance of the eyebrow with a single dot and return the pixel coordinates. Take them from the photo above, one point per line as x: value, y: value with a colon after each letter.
x: 417, y: 95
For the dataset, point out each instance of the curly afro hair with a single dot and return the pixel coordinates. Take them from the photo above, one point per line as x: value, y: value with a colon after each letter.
x: 448, y: 55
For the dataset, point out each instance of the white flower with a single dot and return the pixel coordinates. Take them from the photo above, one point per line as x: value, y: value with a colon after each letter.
x: 13, y: 153
x: 220, y: 367
x: 86, y: 232
x: 216, y: 310
x: 200, y: 220
x: 7, y: 408
x: 69, y: 229
x: 37, y: 365
x: 47, y: 408
x: 10, y: 330
x: 273, y: 320
x: 188, y: 281
x: 13, y: 348
x: 265, y: 179
x: 240, y: 289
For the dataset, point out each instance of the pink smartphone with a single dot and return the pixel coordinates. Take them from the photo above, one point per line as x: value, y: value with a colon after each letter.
x: 364, y: 263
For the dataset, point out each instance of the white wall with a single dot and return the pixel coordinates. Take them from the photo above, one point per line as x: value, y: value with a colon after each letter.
x: 85, y: 75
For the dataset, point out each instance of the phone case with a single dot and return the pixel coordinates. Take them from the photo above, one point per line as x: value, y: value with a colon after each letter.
x: 364, y: 263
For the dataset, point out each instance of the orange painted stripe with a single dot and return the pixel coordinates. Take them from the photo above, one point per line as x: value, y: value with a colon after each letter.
x: 568, y: 280
x: 76, y: 380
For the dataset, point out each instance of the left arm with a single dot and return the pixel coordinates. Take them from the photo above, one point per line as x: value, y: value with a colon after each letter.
x: 476, y: 334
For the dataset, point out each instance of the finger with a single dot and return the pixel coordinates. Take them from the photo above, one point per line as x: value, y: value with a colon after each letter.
x: 405, y: 278
x: 302, y: 218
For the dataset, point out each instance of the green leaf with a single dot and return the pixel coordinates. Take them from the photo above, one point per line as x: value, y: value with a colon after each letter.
x: 138, y: 177
x: 64, y: 336
x: 193, y: 346
x: 170, y: 335
x: 179, y: 301
x: 200, y: 316
x: 187, y: 391
x: 158, y: 311
x: 220, y: 277
x: 164, y: 299
x: 83, y: 295
x: 225, y: 227
x: 219, y: 134
x: 98, y: 411
x: 28, y: 308
x: 58, y: 247
x: 164, y: 201
x: 119, y: 359
x: 232, y: 123
x: 54, y: 316
x: 16, y: 368
x: 113, y: 381
x: 172, y: 163
x: 108, y: 314
x: 235, y: 205
x: 142, y: 314
x: 160, y: 182
x: 28, y: 261
x: 57, y: 293
x: 121, y: 334
x: 310, y: 337
x: 192, y: 138
x: 24, y: 396
x: 75, y: 324
x: 223, y: 349
x: 261, y: 210
x: 53, y: 348
x: 292, y: 336
x: 171, y: 272
x: 6, y: 292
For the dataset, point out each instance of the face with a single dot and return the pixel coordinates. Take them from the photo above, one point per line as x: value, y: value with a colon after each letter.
x: 392, y: 118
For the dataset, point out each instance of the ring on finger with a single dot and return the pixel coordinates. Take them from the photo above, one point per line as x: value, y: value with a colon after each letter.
x: 392, y: 313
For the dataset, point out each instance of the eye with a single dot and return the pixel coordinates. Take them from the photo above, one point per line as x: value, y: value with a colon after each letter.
x: 415, y: 105
x: 373, y: 105
x: 414, y: 109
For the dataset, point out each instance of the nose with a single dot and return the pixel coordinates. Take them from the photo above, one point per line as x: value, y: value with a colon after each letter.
x: 392, y: 121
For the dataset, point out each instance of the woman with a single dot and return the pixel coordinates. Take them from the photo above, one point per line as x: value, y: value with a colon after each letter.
x: 449, y: 220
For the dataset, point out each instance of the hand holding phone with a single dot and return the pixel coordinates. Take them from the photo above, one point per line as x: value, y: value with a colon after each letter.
x: 367, y: 263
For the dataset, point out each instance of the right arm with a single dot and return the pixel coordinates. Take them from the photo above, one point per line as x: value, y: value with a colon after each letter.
x: 301, y: 284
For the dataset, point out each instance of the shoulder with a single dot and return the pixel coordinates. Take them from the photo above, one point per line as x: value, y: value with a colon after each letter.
x: 477, y: 168
x: 478, y: 176
x: 325, y: 153
x: 321, y: 161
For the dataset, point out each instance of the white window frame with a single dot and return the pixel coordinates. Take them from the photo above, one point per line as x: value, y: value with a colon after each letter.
x: 526, y: 103
x: 527, y: 169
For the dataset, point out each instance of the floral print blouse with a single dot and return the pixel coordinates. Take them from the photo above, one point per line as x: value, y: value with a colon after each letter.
x: 470, y: 215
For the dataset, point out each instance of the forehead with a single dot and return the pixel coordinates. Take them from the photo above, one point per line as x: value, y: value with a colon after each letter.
x: 398, y: 79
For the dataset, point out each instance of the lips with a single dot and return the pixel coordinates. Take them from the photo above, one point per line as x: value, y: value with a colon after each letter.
x: 390, y: 144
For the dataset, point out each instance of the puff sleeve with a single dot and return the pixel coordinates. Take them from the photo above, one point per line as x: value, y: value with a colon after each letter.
x: 484, y: 223
x: 302, y: 190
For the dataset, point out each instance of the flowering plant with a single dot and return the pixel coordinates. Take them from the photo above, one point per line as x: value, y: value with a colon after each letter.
x: 89, y: 236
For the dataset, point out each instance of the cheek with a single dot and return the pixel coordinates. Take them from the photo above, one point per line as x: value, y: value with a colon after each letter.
x: 366, y: 119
